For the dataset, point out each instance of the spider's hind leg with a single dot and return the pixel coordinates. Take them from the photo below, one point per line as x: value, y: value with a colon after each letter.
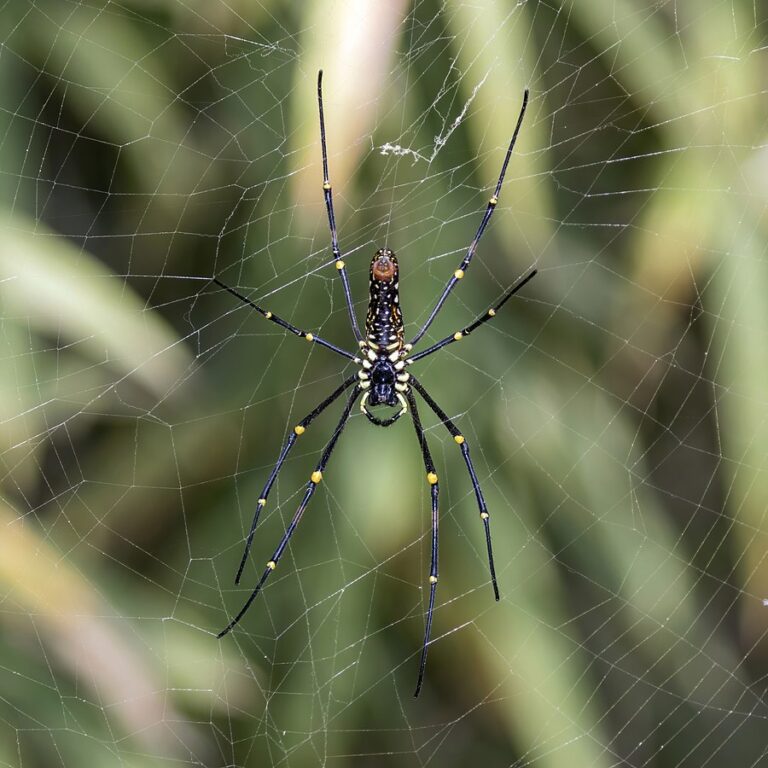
x: 314, y: 481
x: 295, y: 432
x: 429, y: 465
x: 462, y: 443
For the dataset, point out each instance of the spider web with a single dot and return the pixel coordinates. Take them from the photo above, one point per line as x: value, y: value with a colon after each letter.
x: 615, y: 409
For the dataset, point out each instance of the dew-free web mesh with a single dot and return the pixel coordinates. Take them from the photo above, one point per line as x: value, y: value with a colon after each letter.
x: 615, y: 409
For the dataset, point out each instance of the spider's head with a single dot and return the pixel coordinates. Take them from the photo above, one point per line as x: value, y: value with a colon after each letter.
x: 384, y: 266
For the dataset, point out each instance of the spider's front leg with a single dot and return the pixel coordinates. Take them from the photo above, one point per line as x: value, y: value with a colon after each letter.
x: 491, y: 206
x: 328, y: 195
x: 484, y: 318
x: 429, y: 465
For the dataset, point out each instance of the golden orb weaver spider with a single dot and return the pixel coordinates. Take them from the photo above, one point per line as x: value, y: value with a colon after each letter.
x: 381, y: 379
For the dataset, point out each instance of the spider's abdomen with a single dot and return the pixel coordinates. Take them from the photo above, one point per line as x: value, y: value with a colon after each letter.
x: 382, y: 378
x: 384, y: 322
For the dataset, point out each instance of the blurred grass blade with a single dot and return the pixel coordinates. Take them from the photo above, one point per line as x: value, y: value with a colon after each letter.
x: 77, y: 625
x: 67, y: 293
x: 117, y: 85
x: 491, y: 42
x: 736, y: 310
x: 611, y: 532
x: 547, y: 700
x: 642, y: 51
x: 631, y: 550
x: 354, y: 48
x: 19, y: 394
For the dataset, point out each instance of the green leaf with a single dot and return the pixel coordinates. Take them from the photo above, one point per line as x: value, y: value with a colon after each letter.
x: 66, y: 293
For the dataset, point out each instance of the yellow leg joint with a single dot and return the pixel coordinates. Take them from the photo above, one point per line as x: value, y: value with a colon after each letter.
x: 327, y: 186
x: 458, y: 335
x: 299, y: 430
x: 268, y: 315
x: 431, y: 478
x: 433, y: 579
x: 459, y: 439
x: 309, y: 337
x: 316, y: 476
x: 494, y: 200
x: 491, y: 312
x: 458, y: 274
x: 271, y: 565
x: 339, y: 264
x: 262, y: 502
x: 484, y: 515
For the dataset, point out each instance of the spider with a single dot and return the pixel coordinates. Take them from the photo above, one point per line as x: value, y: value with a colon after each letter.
x: 382, y: 379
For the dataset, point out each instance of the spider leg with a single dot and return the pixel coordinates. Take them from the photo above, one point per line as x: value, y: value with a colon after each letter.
x: 314, y: 481
x: 464, y: 265
x: 462, y: 443
x: 434, y: 490
x: 480, y: 320
x: 297, y: 430
x: 285, y: 324
x: 328, y: 194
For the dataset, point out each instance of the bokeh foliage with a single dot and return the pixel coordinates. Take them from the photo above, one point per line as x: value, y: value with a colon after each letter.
x: 616, y: 411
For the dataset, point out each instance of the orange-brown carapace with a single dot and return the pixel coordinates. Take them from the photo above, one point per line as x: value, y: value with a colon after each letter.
x: 384, y: 265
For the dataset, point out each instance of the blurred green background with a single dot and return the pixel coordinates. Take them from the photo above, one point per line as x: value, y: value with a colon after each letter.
x: 616, y: 410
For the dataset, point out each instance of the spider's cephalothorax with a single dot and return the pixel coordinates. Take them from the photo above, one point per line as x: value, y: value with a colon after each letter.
x: 382, y: 376
x: 381, y: 380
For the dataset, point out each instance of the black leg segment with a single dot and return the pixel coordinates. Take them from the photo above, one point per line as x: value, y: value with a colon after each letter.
x: 429, y: 465
x: 314, y: 481
x: 489, y: 315
x: 299, y: 429
x: 492, y: 203
x: 272, y: 317
x: 328, y: 194
x: 460, y: 440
